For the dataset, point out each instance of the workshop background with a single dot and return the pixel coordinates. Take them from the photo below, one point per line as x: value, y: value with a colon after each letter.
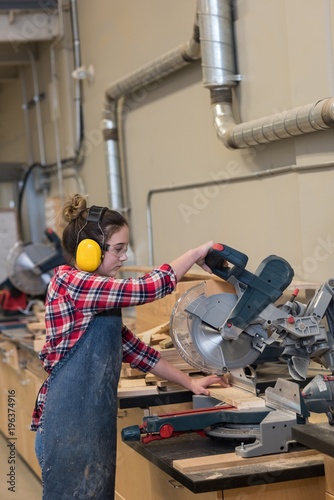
x: 198, y: 119
x: 72, y: 121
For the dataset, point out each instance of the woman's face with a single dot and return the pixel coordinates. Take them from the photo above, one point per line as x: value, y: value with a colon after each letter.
x: 115, y: 254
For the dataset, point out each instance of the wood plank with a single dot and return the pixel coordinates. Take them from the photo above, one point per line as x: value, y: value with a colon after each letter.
x: 237, y: 397
x: 227, y: 460
x: 137, y: 391
x: 130, y: 382
x: 36, y: 326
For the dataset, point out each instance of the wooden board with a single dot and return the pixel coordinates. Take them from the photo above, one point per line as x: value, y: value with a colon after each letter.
x: 38, y: 326
x: 227, y: 460
x: 123, y: 392
x: 152, y: 332
x: 239, y: 398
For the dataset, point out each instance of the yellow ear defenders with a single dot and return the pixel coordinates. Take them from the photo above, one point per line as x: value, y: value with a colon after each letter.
x: 89, y: 252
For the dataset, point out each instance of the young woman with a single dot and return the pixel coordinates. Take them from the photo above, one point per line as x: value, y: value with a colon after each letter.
x: 86, y: 343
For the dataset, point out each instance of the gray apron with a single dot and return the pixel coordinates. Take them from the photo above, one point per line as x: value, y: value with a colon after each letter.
x: 79, y: 429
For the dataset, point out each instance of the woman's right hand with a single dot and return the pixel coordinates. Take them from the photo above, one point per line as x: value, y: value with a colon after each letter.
x: 182, y: 264
x: 203, y: 251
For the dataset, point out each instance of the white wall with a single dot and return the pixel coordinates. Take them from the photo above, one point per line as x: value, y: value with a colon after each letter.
x: 285, y: 57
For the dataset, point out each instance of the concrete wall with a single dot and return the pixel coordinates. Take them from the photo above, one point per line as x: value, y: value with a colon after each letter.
x: 285, y: 57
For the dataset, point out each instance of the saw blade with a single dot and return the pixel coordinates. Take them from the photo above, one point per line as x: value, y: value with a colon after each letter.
x: 23, y: 270
x: 202, y: 346
x: 221, y: 354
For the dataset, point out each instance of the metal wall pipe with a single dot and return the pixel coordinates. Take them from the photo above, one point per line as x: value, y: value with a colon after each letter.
x: 260, y: 174
x: 115, y: 180
x: 146, y: 76
x: 78, y: 83
x: 55, y: 103
x: 38, y: 106
x: 26, y: 115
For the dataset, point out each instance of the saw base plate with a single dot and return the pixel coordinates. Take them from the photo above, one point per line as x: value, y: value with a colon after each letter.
x: 234, y: 432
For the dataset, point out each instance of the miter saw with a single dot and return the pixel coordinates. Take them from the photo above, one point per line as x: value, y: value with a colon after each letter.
x: 220, y: 332
x: 227, y: 332
x: 29, y: 270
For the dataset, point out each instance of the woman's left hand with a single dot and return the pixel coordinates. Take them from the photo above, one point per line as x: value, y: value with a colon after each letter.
x: 200, y: 385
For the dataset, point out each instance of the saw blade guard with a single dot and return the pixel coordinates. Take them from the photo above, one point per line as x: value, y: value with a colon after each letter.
x: 181, y: 332
x: 203, y: 346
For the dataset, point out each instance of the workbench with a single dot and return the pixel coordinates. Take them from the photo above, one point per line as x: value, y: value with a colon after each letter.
x: 21, y: 376
x: 277, y: 469
x: 320, y: 437
x: 276, y: 478
x: 155, y: 476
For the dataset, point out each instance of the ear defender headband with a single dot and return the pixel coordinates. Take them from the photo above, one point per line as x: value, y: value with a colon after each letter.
x: 89, y: 252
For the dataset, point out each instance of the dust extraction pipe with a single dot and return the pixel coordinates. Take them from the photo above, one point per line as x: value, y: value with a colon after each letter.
x: 297, y: 121
x: 143, y: 78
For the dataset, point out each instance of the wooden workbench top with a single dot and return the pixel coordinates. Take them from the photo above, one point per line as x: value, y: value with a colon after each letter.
x: 163, y: 453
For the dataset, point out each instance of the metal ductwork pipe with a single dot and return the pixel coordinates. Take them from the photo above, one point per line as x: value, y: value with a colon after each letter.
x: 219, y: 75
x: 217, y: 43
x: 292, y: 123
x: 218, y: 59
x: 110, y: 135
x: 146, y: 76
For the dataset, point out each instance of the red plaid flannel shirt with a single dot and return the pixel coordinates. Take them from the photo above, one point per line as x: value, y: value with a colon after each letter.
x: 74, y: 297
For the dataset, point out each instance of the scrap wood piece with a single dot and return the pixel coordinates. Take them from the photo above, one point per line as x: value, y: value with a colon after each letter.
x: 38, y: 342
x: 40, y: 315
x: 36, y: 326
x: 166, y: 343
x: 131, y: 382
x: 161, y: 329
x: 128, y: 372
x: 157, y: 338
x: 227, y: 460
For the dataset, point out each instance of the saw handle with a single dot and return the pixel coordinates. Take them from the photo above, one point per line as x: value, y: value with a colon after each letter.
x: 217, y: 257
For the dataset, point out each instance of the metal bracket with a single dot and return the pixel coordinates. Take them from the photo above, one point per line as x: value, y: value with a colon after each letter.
x: 238, y: 378
x: 275, y: 429
x: 275, y: 434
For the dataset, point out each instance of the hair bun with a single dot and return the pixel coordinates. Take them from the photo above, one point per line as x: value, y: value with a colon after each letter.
x: 74, y: 208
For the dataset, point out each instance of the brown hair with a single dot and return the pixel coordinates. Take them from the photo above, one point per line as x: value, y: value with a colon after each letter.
x: 75, y: 212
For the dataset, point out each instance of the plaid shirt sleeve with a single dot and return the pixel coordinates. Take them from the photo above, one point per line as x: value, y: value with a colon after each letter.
x: 137, y: 353
x: 91, y: 293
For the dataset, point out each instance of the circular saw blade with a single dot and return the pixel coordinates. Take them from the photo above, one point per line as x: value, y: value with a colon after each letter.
x: 202, y: 346
x: 22, y: 267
